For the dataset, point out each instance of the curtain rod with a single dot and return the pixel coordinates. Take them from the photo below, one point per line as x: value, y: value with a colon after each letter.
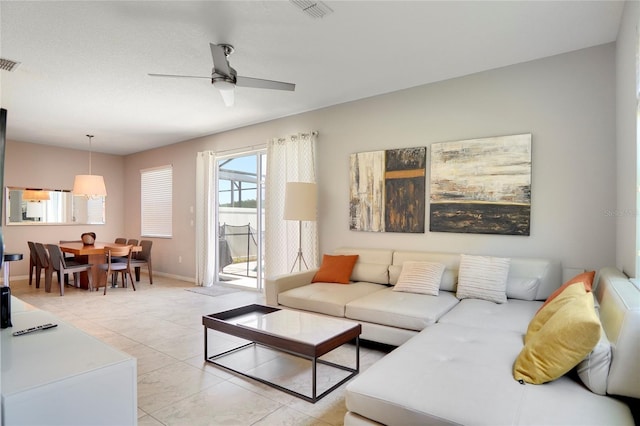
x: 253, y: 147
x: 303, y: 134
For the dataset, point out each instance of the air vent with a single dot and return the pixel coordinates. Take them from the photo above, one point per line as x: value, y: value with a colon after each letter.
x: 315, y: 9
x: 8, y: 64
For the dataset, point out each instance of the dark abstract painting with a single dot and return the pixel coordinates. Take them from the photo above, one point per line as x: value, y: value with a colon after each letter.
x: 481, y: 186
x: 387, y: 192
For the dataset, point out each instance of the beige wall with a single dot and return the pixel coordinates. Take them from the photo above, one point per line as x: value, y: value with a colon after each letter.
x: 567, y: 102
x: 42, y: 166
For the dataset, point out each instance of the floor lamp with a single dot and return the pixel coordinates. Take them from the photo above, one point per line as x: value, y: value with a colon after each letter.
x: 300, y: 202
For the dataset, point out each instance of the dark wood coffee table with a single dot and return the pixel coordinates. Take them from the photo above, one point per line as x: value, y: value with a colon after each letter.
x: 302, y: 334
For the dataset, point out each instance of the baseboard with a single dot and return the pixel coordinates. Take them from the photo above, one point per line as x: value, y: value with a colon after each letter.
x: 175, y: 277
x: 161, y: 274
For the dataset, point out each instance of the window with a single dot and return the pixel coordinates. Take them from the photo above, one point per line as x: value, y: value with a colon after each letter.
x: 156, y: 201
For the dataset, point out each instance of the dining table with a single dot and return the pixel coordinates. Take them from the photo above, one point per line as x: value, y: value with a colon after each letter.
x: 93, y: 254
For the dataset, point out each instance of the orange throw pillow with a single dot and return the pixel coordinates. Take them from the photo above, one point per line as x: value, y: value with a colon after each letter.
x: 586, y: 278
x: 335, y: 269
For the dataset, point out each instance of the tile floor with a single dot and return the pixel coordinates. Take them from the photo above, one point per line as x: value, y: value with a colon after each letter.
x: 161, y: 325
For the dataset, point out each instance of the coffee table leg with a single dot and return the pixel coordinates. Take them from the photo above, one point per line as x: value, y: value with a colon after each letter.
x: 313, y: 379
x: 357, y: 354
x: 206, y: 355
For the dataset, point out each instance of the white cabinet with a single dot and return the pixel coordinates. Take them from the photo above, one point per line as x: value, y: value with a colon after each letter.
x: 63, y: 376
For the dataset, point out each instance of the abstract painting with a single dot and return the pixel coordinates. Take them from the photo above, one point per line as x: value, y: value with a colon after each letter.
x: 481, y: 186
x: 387, y: 192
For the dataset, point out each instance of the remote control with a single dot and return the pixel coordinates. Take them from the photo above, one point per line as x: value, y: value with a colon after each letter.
x: 32, y: 329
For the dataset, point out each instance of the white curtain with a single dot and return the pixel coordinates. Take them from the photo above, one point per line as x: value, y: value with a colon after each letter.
x: 206, y: 201
x: 289, y: 159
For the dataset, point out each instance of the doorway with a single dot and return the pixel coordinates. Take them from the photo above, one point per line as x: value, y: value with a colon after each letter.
x: 240, y: 213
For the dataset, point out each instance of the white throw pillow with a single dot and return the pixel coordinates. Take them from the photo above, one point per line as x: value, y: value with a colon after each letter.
x: 483, y: 277
x: 594, y: 369
x: 420, y: 277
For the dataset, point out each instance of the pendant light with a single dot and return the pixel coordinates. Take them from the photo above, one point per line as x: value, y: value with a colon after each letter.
x: 89, y: 185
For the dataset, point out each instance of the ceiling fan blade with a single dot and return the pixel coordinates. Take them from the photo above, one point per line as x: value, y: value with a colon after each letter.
x: 264, y: 84
x: 220, y: 62
x: 178, y: 76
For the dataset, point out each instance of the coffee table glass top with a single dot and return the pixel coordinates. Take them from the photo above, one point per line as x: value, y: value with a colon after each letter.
x: 293, y: 325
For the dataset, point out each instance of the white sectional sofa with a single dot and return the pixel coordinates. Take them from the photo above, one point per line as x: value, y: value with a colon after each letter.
x: 454, y: 360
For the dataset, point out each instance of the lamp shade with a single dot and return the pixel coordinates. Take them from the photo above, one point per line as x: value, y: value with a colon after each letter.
x: 35, y: 195
x: 89, y: 185
x: 34, y: 209
x: 300, y: 201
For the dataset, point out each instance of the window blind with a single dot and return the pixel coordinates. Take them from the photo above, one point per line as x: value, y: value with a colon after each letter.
x: 156, y: 196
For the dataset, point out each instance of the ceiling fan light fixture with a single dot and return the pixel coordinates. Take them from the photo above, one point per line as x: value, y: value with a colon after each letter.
x: 228, y: 96
x: 226, y: 89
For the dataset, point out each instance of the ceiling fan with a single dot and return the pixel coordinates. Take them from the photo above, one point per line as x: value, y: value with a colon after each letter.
x: 225, y: 79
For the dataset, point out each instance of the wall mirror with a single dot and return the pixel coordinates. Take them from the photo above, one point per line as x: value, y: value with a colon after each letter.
x: 37, y: 206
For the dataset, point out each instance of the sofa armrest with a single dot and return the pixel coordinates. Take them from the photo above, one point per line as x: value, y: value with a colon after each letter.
x: 619, y: 303
x: 281, y: 283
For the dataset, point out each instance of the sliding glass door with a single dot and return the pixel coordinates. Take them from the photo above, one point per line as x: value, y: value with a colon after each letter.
x: 240, y: 213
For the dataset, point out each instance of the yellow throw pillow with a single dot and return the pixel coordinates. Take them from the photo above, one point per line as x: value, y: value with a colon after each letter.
x: 562, y: 342
x: 586, y: 278
x: 542, y: 316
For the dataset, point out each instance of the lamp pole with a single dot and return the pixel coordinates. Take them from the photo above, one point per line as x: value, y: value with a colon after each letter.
x: 299, y: 258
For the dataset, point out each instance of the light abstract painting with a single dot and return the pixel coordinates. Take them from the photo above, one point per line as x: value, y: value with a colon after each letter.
x: 481, y: 186
x: 387, y: 192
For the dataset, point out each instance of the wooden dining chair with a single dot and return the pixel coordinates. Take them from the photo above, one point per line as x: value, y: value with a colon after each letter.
x: 131, y: 242
x: 44, y: 264
x: 65, y: 267
x: 143, y: 258
x: 112, y: 266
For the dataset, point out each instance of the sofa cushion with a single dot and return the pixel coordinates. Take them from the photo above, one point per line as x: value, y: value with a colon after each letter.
x: 522, y: 272
x: 335, y: 269
x: 372, y: 265
x: 370, y: 273
x: 420, y: 277
x: 445, y: 374
x: 450, y: 374
x: 403, y: 310
x: 514, y: 315
x: 483, y: 277
x: 523, y: 288
x: 326, y: 298
x: 562, y: 342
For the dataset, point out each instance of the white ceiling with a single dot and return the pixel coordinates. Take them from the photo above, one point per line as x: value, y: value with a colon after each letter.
x: 84, y: 64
